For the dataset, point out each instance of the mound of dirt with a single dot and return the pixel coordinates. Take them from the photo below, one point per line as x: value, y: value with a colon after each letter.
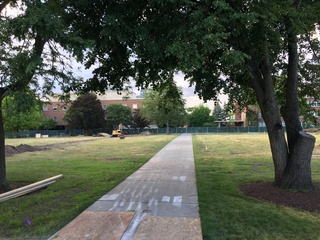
x: 308, y: 201
x: 103, y: 135
x: 22, y: 148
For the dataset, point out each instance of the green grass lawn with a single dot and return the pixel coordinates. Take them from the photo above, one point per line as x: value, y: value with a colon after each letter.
x: 90, y: 169
x: 223, y: 163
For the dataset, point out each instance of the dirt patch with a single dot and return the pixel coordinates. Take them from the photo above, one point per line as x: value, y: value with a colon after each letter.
x: 146, y: 133
x: 103, y: 135
x: 22, y: 148
x: 308, y: 201
x: 113, y: 159
x: 11, y: 150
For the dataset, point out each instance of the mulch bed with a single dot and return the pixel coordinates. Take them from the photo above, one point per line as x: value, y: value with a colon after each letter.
x: 308, y: 201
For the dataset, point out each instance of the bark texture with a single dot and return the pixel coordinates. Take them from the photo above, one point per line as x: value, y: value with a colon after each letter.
x: 4, y: 186
x: 262, y: 84
x: 291, y: 158
x: 297, y: 174
x: 298, y: 171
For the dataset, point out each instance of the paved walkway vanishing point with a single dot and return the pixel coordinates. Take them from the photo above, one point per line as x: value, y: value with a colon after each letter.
x: 158, y: 201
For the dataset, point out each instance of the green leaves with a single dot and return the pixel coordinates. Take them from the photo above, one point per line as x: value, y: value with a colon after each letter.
x: 85, y: 113
x: 200, y: 116
x: 21, y: 111
x: 164, y: 107
x: 117, y: 114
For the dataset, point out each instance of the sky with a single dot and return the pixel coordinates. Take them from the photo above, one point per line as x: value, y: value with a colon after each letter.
x: 192, y: 99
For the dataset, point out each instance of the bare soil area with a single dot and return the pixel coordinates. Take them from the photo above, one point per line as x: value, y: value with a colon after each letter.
x: 22, y: 148
x: 11, y: 150
x: 308, y: 201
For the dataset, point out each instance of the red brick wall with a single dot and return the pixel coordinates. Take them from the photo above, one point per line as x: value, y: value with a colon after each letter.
x: 57, y: 109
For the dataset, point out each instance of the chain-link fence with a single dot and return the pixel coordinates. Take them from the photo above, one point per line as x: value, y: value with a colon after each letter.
x: 193, y: 130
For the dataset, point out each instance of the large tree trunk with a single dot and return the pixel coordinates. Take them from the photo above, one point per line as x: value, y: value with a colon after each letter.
x: 297, y: 174
x: 263, y: 85
x: 291, y: 159
x: 4, y: 186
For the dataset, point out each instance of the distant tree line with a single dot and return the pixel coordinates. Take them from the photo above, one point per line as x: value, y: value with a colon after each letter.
x: 163, y: 107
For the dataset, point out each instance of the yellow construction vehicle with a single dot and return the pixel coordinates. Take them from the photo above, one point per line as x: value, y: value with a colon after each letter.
x: 118, y: 132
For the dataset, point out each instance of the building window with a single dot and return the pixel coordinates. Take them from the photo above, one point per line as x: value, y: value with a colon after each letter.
x: 55, y: 118
x: 135, y: 106
x: 104, y: 107
x: 45, y: 108
x: 55, y: 108
x: 64, y: 108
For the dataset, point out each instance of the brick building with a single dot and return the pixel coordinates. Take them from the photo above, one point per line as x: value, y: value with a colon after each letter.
x: 56, y: 109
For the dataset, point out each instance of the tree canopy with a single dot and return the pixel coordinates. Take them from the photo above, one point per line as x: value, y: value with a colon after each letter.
x: 164, y: 107
x: 200, y: 117
x: 138, y: 121
x: 117, y: 114
x: 85, y: 113
x: 220, y: 113
x: 21, y: 112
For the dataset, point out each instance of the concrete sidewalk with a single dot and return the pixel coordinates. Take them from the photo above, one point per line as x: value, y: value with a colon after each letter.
x: 158, y: 201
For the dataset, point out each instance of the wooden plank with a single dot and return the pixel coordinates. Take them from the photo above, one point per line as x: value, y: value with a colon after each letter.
x: 28, y: 189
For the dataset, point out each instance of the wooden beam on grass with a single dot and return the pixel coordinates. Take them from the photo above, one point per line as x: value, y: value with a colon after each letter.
x: 28, y: 189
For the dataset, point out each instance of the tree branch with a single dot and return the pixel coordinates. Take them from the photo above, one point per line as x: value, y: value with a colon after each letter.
x: 257, y: 81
